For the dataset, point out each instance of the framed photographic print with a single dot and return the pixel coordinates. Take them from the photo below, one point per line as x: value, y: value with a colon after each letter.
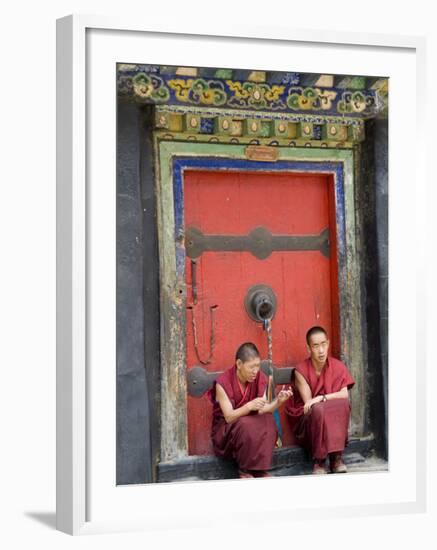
x: 219, y: 190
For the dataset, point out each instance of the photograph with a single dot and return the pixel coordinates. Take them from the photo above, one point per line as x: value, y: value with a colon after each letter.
x: 251, y: 273
x: 219, y: 275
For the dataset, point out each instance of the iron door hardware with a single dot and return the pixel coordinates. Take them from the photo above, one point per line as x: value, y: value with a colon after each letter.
x: 260, y: 242
x: 199, y: 380
x: 260, y: 303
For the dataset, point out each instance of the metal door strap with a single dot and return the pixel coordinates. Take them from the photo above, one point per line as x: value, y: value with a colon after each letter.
x: 260, y: 242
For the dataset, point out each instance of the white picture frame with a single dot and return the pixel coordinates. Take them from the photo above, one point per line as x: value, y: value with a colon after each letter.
x: 87, y: 499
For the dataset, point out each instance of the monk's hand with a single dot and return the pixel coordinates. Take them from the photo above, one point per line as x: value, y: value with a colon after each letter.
x: 284, y: 394
x: 256, y: 404
x: 307, y: 406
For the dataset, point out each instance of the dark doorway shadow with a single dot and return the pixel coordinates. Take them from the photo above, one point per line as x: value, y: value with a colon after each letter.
x: 46, y: 518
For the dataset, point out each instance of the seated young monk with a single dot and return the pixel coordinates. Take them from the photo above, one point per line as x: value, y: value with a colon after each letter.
x: 320, y: 409
x: 243, y: 427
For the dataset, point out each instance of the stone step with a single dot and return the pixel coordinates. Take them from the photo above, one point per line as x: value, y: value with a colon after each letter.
x: 354, y: 461
x: 286, y: 461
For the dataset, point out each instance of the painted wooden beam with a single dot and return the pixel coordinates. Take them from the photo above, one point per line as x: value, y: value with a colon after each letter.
x: 248, y: 90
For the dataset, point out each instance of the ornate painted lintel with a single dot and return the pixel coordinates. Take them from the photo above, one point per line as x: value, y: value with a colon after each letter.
x: 151, y: 87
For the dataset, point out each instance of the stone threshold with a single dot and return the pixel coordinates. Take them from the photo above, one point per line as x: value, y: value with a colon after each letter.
x: 358, y: 456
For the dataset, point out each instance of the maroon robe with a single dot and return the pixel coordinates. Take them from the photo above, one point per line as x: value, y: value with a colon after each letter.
x: 250, y: 440
x: 325, y: 428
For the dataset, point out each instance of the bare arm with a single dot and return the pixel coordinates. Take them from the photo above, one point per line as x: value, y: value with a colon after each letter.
x: 282, y: 396
x: 342, y: 394
x: 231, y: 414
x: 303, y: 387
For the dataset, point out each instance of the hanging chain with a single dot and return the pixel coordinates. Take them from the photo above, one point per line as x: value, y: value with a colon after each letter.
x: 268, y: 323
x: 268, y: 329
x: 212, y: 337
x: 271, y: 388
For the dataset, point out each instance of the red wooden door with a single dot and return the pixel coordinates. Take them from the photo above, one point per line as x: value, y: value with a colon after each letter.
x: 304, y: 281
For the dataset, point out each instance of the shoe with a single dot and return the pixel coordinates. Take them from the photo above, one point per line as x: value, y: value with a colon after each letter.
x: 319, y: 467
x: 243, y: 474
x: 261, y: 473
x: 337, y: 465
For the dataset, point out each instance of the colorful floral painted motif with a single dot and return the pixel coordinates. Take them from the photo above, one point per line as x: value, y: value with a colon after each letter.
x: 199, y: 91
x: 158, y: 86
x: 256, y: 96
x: 355, y: 102
x: 150, y: 87
x: 310, y: 99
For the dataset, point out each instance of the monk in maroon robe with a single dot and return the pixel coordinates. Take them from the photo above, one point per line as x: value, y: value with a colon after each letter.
x: 243, y: 427
x: 320, y: 408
